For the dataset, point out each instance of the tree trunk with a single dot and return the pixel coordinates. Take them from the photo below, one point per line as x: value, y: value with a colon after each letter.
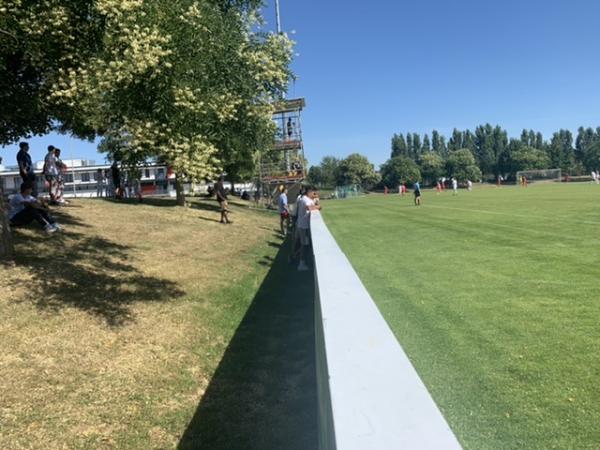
x: 232, y: 179
x: 6, y: 245
x: 179, y: 191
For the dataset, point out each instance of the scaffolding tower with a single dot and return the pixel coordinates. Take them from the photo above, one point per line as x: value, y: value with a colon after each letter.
x: 284, y: 163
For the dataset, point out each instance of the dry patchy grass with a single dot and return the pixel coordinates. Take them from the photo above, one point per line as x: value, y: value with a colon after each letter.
x: 109, y: 334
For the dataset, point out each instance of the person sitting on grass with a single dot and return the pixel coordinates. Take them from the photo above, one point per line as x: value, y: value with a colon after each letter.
x: 25, y: 208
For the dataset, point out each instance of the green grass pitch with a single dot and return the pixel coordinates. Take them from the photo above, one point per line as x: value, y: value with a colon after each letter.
x: 495, y: 296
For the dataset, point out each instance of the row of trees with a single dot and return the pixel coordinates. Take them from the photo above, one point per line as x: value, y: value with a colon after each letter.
x: 353, y: 170
x: 356, y: 169
x: 490, y: 151
x: 485, y: 153
x: 187, y: 82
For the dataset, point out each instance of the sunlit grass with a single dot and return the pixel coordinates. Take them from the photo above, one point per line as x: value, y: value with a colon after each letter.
x: 111, y: 330
x: 495, y: 296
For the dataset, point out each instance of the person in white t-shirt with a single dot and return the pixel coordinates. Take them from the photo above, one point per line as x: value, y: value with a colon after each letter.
x: 25, y: 208
x: 304, y: 207
x: 454, y: 186
x: 51, y: 173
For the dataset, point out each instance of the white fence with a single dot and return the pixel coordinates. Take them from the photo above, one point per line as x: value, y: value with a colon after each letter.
x: 370, y: 396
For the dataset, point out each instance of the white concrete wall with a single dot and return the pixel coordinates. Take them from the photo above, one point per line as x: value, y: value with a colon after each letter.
x: 370, y: 396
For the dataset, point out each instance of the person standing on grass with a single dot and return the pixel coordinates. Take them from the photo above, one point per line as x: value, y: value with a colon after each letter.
x: 438, y: 187
x: 417, y: 191
x: 60, y: 179
x: 469, y: 185
x: 110, y: 187
x: 25, y: 208
x: 284, y: 211
x: 26, y: 166
x: 51, y: 174
x: 454, y: 186
x: 305, y: 207
x: 222, y: 199
x: 99, y: 183
x: 116, y: 180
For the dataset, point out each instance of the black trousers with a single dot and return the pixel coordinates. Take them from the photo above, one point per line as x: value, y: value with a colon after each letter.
x: 28, y: 215
x: 30, y: 178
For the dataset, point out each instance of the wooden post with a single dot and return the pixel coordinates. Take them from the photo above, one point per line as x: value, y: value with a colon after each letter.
x: 179, y: 190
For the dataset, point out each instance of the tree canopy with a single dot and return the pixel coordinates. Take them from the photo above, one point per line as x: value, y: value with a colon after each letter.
x: 398, y: 170
x: 355, y: 169
x: 462, y: 166
x: 187, y: 81
x: 496, y: 154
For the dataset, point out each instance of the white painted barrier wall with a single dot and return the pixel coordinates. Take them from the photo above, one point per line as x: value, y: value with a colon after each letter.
x: 370, y: 396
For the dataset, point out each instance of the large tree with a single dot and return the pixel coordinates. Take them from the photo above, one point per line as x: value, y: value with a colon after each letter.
x: 456, y: 141
x: 399, y: 145
x: 484, y: 153
x: 325, y: 174
x: 461, y: 165
x: 438, y: 143
x: 189, y: 82
x: 426, y: 148
x: 592, y: 157
x: 529, y: 158
x: 432, y: 167
x: 399, y: 169
x: 561, y: 150
x: 356, y: 169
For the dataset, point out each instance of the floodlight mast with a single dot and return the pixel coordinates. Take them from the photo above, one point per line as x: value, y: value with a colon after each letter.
x: 278, y: 16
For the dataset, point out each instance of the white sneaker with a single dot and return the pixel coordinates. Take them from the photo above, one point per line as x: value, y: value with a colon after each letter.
x: 57, y: 227
x: 49, y: 229
x: 302, y: 267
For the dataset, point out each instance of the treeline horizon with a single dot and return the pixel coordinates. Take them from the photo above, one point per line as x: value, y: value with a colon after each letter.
x: 496, y: 153
x: 482, y: 154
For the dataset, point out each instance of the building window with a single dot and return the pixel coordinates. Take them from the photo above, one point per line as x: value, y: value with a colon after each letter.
x: 68, y: 178
x: 160, y: 173
x: 147, y: 173
x: 85, y: 177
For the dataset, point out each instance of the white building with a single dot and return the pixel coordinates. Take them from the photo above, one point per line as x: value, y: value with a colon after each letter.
x: 81, y: 179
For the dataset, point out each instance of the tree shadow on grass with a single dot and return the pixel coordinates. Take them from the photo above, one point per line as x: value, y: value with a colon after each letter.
x: 201, y: 203
x: 263, y: 394
x: 90, y: 273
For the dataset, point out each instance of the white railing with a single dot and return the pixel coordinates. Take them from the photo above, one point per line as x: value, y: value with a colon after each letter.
x: 370, y: 396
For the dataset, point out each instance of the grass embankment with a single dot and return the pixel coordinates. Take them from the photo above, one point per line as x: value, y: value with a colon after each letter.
x: 495, y: 296
x: 112, y: 331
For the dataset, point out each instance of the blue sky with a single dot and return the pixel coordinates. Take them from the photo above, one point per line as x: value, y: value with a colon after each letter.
x: 370, y: 69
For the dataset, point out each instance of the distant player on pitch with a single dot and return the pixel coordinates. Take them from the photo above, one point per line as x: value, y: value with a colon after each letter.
x: 417, y: 191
